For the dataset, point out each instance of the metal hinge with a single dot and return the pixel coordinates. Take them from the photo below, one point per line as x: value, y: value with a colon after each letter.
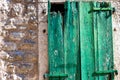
x: 104, y: 6
x: 106, y: 72
x: 104, y: 9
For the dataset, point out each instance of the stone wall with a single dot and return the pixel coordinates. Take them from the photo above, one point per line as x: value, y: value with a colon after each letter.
x: 18, y: 40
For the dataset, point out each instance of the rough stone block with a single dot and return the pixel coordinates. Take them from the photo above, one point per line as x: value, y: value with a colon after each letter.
x: 9, y: 46
x: 4, y: 55
x: 27, y: 47
x: 24, y: 68
x: 16, y: 35
x: 9, y: 27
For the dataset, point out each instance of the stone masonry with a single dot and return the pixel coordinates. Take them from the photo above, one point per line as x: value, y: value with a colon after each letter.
x: 18, y: 40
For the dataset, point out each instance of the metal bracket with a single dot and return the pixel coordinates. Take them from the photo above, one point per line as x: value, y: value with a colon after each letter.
x: 104, y: 9
x: 107, y: 72
x: 55, y: 76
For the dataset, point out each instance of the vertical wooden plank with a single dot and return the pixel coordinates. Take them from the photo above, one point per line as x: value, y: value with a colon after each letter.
x: 71, y: 40
x: 109, y: 33
x: 104, y: 41
x: 86, y: 41
x: 95, y: 41
x: 55, y: 45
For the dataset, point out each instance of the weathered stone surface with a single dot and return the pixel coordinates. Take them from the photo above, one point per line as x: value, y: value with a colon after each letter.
x: 3, y: 33
x: 4, y: 6
x: 4, y: 55
x: 18, y: 40
x: 24, y: 68
x: 16, y: 35
x: 18, y: 9
x: 9, y: 27
x: 22, y: 27
x: 9, y: 46
x: 30, y: 1
x: 17, y: 1
x: 20, y: 21
x: 27, y: 47
x: 31, y: 57
x: 16, y: 56
x: 29, y: 41
x: 32, y: 34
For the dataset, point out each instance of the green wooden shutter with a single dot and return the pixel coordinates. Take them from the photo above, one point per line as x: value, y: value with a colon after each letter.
x: 86, y: 41
x: 63, y: 57
x: 103, y: 42
x: 55, y: 42
x: 71, y: 40
x: 96, y: 47
x: 80, y: 42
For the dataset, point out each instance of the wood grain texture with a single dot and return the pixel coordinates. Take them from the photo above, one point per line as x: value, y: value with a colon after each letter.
x: 103, y: 26
x: 71, y: 40
x: 96, y: 37
x: 86, y: 41
x: 55, y: 45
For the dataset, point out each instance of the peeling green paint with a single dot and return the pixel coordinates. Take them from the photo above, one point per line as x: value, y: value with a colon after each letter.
x: 80, y: 42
